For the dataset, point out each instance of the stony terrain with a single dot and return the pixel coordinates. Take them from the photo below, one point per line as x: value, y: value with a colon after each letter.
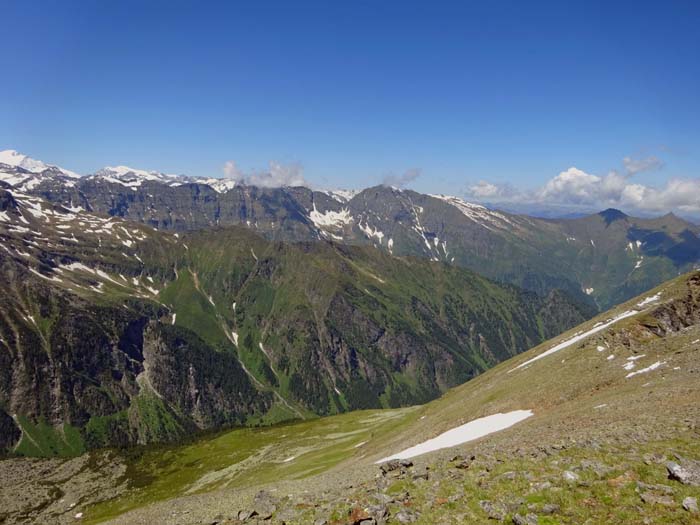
x: 614, y: 439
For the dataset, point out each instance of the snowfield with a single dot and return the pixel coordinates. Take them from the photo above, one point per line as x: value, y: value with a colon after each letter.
x: 336, y: 219
x: 577, y: 338
x: 649, y: 300
x: 463, y: 434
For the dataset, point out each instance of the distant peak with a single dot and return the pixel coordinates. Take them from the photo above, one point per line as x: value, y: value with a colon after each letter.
x: 16, y: 159
x: 611, y: 215
x: 11, y: 157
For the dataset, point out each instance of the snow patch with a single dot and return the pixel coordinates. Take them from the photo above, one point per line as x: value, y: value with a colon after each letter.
x: 335, y: 219
x: 372, y: 232
x: 647, y: 369
x: 475, y: 429
x: 578, y: 337
x: 478, y: 213
x: 648, y: 300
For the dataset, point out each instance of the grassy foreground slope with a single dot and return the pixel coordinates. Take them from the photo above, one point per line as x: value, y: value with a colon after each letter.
x: 609, y: 411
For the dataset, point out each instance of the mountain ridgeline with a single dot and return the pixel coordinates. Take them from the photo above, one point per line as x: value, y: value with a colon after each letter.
x: 113, y: 333
x: 602, y: 259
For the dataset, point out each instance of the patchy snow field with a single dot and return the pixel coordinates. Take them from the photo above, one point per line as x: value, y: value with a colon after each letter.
x: 464, y: 433
x: 577, y: 338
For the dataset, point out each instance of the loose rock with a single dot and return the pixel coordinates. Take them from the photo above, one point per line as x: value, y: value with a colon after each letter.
x: 495, y: 511
x: 570, y: 476
x: 688, y: 473
x: 405, y: 516
x: 690, y: 504
x: 529, y: 519
x: 550, y: 508
x: 654, y: 499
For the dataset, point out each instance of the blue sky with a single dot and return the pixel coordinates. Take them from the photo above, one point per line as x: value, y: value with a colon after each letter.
x: 506, y: 92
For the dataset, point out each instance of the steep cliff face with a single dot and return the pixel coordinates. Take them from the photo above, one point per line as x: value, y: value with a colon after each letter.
x: 112, y: 333
x: 115, y: 372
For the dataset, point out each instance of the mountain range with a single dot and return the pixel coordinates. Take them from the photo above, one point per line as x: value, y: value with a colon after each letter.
x: 115, y: 333
x: 142, y: 307
x: 601, y: 259
x: 168, y: 343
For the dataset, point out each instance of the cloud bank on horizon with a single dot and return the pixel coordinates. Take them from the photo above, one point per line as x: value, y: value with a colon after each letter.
x: 277, y: 175
x: 580, y: 190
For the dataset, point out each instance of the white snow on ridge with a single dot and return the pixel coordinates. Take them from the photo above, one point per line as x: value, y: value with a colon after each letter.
x: 218, y: 185
x: 475, y: 429
x: 131, y: 177
x: 577, y: 338
x: 335, y: 219
x: 16, y: 159
x: 121, y: 171
x: 341, y: 195
x: 476, y: 212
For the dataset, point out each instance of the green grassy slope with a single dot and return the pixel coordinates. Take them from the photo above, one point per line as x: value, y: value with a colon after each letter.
x: 587, y: 412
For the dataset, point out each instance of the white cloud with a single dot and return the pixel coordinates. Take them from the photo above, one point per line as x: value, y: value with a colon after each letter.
x: 276, y: 176
x: 400, y: 181
x: 677, y: 195
x: 487, y: 190
x: 580, y: 190
x: 232, y: 171
x: 573, y: 185
x: 634, y: 166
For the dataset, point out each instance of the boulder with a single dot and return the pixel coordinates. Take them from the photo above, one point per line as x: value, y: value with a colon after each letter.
x: 691, y: 505
x: 688, y: 473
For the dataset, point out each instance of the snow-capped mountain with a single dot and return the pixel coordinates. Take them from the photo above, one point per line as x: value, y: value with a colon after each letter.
x: 14, y: 159
x: 26, y: 173
x: 134, y: 178
x: 602, y: 258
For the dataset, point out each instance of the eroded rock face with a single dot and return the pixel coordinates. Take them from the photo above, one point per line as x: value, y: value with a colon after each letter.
x: 93, y: 367
x: 9, y: 431
x: 194, y: 379
x: 679, y: 314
